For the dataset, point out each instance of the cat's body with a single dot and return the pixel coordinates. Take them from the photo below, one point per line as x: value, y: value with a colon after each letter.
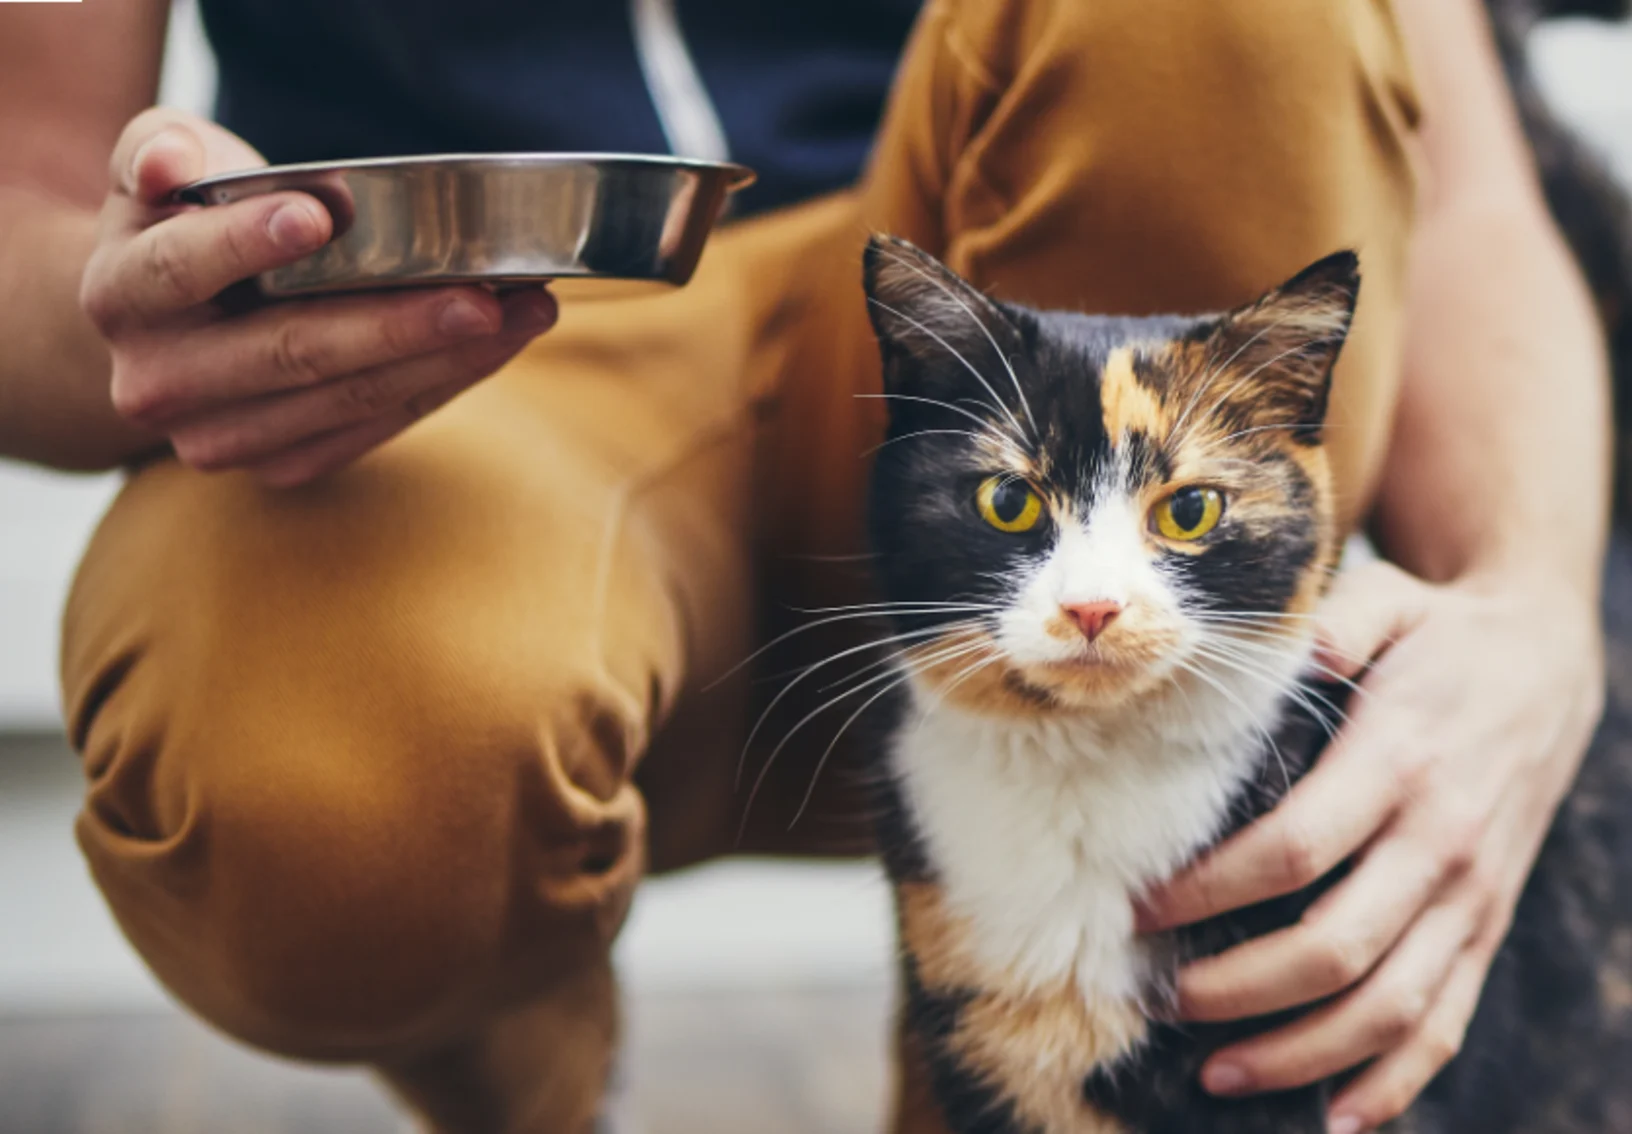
x: 1146, y: 1080
x: 1040, y: 830
x: 1100, y: 540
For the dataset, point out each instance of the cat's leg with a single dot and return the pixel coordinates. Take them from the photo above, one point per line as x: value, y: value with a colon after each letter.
x: 362, y: 756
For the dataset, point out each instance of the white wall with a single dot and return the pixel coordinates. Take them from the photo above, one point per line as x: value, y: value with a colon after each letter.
x: 44, y: 519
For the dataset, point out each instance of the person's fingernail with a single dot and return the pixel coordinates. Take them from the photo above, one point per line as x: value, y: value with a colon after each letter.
x: 461, y: 318
x: 293, y: 227
x: 1224, y: 1079
x: 1345, y: 1124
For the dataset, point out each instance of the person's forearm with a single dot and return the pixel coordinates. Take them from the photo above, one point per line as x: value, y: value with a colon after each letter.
x: 54, y: 404
x: 1500, y: 458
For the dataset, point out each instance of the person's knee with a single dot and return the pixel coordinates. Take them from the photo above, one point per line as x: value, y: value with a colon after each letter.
x: 348, y: 899
x: 358, y: 772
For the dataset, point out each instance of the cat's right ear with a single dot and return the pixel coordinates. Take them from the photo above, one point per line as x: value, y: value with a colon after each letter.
x: 933, y: 326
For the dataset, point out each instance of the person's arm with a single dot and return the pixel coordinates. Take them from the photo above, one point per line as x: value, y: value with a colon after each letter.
x: 1503, y: 428
x: 114, y: 343
x: 1488, y: 668
x: 71, y: 76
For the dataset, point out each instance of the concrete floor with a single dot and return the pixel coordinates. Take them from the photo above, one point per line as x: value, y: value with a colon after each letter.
x: 763, y: 984
x: 741, y: 924
x: 807, y: 1061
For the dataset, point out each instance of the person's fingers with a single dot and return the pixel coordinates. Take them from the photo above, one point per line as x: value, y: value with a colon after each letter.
x: 318, y: 456
x: 1325, y: 818
x: 1365, y: 610
x: 157, y: 152
x: 1389, y: 1086
x: 192, y: 257
x: 1382, y: 1013
x: 162, y: 149
x: 257, y: 430
x: 298, y: 345
x: 1338, y: 941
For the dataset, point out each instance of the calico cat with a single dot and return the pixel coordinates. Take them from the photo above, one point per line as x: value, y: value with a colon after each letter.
x: 1100, y: 539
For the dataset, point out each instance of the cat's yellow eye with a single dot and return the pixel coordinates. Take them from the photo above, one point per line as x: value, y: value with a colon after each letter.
x: 1009, y: 504
x: 1189, y: 513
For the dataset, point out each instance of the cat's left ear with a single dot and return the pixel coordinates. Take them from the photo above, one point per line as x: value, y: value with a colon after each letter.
x: 1276, y: 354
x: 933, y: 326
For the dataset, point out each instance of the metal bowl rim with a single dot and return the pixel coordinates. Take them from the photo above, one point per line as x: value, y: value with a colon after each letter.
x: 740, y: 176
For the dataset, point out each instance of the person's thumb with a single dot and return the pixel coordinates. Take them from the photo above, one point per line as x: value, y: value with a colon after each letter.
x: 163, y: 149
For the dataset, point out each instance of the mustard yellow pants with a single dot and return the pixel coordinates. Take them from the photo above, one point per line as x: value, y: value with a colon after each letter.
x: 375, y: 766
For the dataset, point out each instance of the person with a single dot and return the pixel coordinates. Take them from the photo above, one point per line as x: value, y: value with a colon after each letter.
x: 382, y: 725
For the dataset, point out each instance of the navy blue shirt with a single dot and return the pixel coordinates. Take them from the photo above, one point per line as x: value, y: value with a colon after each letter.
x: 798, y: 85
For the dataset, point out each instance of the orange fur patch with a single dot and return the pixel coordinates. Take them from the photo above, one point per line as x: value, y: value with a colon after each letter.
x: 1038, y: 1046
x: 1128, y: 404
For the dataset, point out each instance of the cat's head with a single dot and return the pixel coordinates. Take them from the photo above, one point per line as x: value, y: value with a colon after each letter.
x: 1072, y: 511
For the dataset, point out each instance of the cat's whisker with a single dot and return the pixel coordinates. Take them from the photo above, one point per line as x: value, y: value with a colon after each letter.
x: 1292, y: 688
x: 859, y: 557
x: 1238, y: 613
x: 1213, y: 373
x: 1264, y: 617
x: 997, y: 402
x: 770, y: 761
x: 1271, y: 642
x: 985, y: 330
x: 963, y: 675
x: 865, y: 647
x: 1241, y: 636
x: 1233, y: 656
x: 1197, y: 671
x: 1246, y: 378
x: 1325, y: 428
x: 887, y: 640
x: 990, y: 430
x: 821, y: 764
x: 827, y: 753
x: 848, y: 614
x: 925, y: 433
x: 942, y: 630
x: 907, y: 607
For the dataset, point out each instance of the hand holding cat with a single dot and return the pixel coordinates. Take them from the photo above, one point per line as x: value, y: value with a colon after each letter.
x: 289, y: 390
x: 1472, y: 718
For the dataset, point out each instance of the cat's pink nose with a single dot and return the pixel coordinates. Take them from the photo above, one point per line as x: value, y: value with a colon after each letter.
x: 1092, y: 617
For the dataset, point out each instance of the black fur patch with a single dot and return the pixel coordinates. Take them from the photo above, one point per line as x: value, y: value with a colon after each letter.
x: 969, y: 1105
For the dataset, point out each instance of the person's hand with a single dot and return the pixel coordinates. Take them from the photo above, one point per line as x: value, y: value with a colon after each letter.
x: 1441, y: 785
x: 290, y: 390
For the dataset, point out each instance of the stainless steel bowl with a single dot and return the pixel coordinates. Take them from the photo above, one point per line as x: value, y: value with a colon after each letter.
x: 494, y: 218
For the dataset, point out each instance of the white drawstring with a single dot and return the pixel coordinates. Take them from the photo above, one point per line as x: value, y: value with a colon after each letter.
x: 687, y: 114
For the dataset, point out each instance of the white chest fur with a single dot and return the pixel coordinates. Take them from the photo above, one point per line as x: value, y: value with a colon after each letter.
x: 1043, y: 831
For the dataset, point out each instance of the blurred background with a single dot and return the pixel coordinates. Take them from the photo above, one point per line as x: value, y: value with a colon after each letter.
x: 757, y: 992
